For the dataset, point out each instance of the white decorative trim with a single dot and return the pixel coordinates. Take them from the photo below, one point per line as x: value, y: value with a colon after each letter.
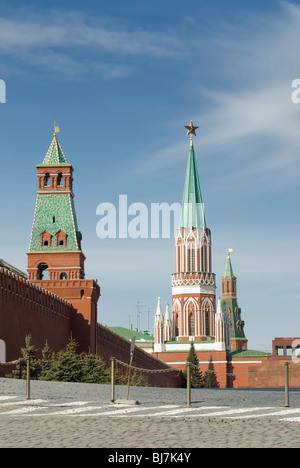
x: 185, y: 346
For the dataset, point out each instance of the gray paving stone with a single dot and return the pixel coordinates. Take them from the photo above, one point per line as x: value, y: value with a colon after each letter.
x: 90, y: 421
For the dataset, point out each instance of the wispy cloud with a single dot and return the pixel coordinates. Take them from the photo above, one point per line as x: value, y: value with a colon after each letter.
x: 73, y: 43
x: 250, y: 119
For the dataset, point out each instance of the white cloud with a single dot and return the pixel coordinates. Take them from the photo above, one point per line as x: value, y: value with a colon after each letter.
x: 249, y: 120
x: 71, y: 44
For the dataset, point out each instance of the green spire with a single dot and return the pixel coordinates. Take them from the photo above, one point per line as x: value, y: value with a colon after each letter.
x: 55, y: 154
x: 192, y: 214
x: 228, y: 273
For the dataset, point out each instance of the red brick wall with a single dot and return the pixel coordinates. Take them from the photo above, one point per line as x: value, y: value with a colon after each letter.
x: 262, y: 372
x: 215, y: 361
x: 109, y: 344
x: 83, y: 295
x: 27, y: 309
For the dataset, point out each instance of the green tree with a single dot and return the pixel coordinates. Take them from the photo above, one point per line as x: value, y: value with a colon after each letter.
x: 94, y: 370
x: 210, y: 377
x: 67, y: 366
x: 196, y: 374
x: 29, y: 352
x: 46, y: 362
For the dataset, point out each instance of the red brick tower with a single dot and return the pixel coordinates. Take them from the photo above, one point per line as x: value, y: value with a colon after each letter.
x: 231, y: 308
x: 55, y: 258
x: 193, y: 283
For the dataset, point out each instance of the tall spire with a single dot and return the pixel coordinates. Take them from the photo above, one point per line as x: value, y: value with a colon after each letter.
x: 228, y: 273
x: 192, y: 214
x: 158, y: 308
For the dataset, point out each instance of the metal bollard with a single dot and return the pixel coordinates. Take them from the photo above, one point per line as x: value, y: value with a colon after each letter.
x: 286, y: 380
x: 188, y: 378
x: 112, y: 381
x: 28, y: 379
x: 129, y: 376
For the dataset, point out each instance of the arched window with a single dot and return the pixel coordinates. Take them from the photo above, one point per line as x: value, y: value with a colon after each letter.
x: 207, y: 323
x: 63, y: 276
x: 47, y: 180
x: 228, y: 286
x: 191, y: 256
x: 46, y: 238
x: 60, y: 180
x: 176, y: 312
x: 190, y: 317
x: 61, y: 238
x: 191, y: 325
x: 42, y: 273
x: 203, y: 257
x: 207, y: 313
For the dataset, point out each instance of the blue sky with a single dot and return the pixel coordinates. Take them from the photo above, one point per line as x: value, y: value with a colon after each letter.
x: 122, y: 79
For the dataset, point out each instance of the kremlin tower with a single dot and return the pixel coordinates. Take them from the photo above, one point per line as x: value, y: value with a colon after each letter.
x: 195, y: 315
x: 55, y: 257
x: 231, y: 309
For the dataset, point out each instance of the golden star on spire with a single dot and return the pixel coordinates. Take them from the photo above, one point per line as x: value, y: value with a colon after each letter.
x: 191, y: 130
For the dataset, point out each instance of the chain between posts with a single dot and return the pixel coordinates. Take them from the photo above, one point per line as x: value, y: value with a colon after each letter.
x: 189, y: 366
x: 180, y: 370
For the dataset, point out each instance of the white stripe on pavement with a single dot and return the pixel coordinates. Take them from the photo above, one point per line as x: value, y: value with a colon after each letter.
x: 26, y: 409
x: 274, y: 413
x: 181, y: 410
x: 76, y: 410
x: 129, y: 411
x: 4, y: 397
x: 232, y: 411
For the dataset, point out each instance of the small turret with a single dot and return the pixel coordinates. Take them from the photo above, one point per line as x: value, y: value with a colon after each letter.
x: 158, y: 329
x: 167, y: 325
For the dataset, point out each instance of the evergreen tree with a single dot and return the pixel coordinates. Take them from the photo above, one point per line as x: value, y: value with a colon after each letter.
x: 67, y: 367
x: 45, y: 364
x: 94, y: 370
x: 210, y: 377
x: 196, y: 374
x: 29, y: 352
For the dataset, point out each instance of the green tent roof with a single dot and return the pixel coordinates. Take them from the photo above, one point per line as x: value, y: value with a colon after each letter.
x: 228, y: 273
x: 55, y: 154
x: 192, y: 213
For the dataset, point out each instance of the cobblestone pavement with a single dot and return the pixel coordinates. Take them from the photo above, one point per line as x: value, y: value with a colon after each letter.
x: 80, y: 415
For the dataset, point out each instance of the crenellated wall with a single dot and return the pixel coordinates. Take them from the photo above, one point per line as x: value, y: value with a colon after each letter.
x: 25, y: 309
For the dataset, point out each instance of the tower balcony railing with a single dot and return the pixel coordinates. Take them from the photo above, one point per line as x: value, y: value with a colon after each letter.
x: 190, y: 278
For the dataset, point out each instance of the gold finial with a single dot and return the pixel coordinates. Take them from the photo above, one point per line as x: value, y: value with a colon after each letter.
x: 56, y: 129
x: 191, y: 131
x: 229, y: 252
